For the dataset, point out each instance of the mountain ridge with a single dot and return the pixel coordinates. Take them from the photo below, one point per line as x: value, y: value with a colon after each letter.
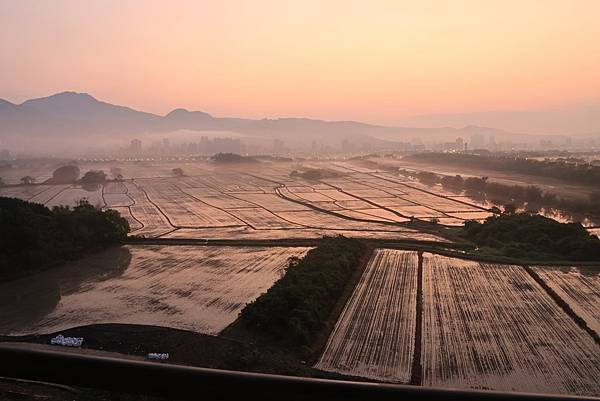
x: 72, y: 113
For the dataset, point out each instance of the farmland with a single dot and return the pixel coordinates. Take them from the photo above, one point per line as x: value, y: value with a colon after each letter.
x: 579, y: 287
x: 413, y: 317
x: 484, y: 326
x: 374, y: 336
x: 199, y: 289
x: 492, y: 326
x: 265, y: 201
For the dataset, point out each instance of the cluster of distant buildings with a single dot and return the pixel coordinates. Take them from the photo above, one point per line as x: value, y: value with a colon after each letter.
x: 206, y: 146
x: 481, y: 142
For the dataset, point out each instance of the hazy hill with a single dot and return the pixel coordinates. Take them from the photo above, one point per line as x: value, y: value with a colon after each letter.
x: 80, y: 117
x: 80, y: 113
x: 70, y: 113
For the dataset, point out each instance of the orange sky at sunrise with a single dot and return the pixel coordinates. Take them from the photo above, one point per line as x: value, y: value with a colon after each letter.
x: 370, y: 60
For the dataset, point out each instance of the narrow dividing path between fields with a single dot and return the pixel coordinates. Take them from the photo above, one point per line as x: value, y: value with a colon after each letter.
x: 281, y: 185
x: 564, y: 305
x: 416, y: 372
x: 380, y: 175
x: 244, y: 223
x: 331, y: 212
x: 370, y: 202
x: 143, y: 190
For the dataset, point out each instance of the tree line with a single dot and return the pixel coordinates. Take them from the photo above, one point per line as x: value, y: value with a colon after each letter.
x: 35, y: 237
x: 518, y: 195
x: 579, y: 172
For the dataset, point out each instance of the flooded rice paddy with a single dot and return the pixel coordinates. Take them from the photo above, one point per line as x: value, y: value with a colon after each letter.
x: 198, y: 288
x: 483, y: 326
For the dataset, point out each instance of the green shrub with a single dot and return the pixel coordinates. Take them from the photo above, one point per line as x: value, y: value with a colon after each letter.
x: 35, y: 237
x: 294, y: 308
x: 534, y: 236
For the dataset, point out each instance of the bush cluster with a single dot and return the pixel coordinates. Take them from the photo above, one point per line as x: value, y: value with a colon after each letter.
x: 35, y: 237
x: 294, y: 309
x: 534, y: 237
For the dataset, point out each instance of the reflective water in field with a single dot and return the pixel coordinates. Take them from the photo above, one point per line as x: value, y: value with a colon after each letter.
x: 198, y: 288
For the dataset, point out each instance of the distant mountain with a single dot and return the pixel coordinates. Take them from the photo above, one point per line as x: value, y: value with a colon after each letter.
x: 79, y: 113
x: 71, y: 113
x: 572, y: 120
x: 81, y: 117
x: 6, y: 105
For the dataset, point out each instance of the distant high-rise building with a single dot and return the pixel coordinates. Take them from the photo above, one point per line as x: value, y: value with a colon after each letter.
x: 569, y: 142
x: 477, y: 142
x: 459, y: 144
x: 135, y: 147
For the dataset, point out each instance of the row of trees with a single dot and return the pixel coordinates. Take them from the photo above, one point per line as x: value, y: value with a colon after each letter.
x: 580, y: 172
x: 35, y: 237
x: 519, y: 195
x: 232, y: 158
x: 70, y: 174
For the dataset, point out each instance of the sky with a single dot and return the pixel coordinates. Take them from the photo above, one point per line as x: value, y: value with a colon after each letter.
x: 373, y: 61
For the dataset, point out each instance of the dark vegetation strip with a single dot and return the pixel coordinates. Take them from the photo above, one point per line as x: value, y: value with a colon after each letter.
x: 416, y: 373
x: 35, y: 237
x: 563, y: 304
x: 531, y: 196
x: 577, y: 171
x: 293, y: 311
x: 531, y: 236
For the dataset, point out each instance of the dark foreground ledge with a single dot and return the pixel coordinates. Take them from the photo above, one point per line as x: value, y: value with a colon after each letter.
x: 192, y: 383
